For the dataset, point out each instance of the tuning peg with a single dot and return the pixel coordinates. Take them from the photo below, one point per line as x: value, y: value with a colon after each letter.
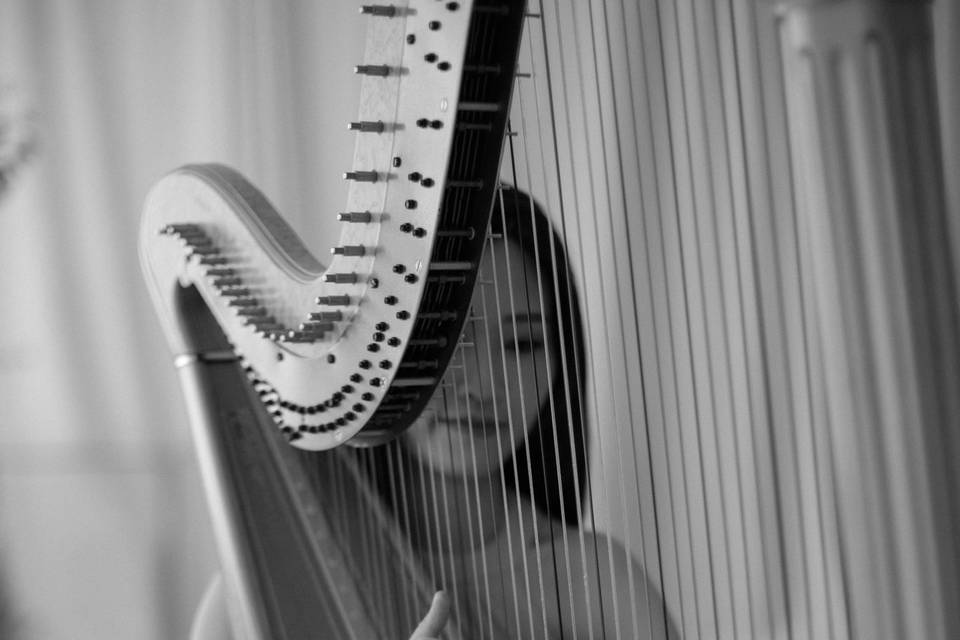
x: 203, y: 251
x: 355, y: 216
x: 451, y: 266
x: 252, y: 312
x: 340, y: 278
x: 385, y: 10
x: 371, y: 70
x: 316, y: 327
x: 197, y: 241
x: 298, y: 336
x: 176, y: 229
x: 264, y: 325
x: 429, y: 342
x: 361, y: 176
x: 327, y: 315
x: 366, y: 126
x: 236, y: 293
x: 334, y: 301
x: 348, y: 250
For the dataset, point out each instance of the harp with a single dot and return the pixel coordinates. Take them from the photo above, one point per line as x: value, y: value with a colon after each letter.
x: 750, y: 200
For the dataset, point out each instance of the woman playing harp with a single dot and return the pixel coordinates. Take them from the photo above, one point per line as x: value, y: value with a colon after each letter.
x: 492, y: 476
x: 488, y: 484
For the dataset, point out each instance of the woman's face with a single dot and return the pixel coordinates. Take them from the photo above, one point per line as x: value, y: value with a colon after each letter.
x: 491, y: 395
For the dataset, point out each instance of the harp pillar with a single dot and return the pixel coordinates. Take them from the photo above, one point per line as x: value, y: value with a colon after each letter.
x: 869, y: 190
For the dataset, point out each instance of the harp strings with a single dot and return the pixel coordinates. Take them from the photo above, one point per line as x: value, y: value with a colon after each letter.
x: 575, y: 372
x: 602, y: 198
x: 491, y: 410
x: 484, y: 622
x: 466, y: 515
x: 635, y: 422
x: 570, y: 386
x: 524, y: 385
x: 443, y: 514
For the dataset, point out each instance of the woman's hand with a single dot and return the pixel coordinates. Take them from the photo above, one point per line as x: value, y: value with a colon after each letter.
x: 435, y: 620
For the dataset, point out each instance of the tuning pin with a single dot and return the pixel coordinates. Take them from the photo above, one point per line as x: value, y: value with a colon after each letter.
x: 193, y: 238
x: 414, y: 382
x: 203, y: 251
x: 385, y: 10
x: 213, y: 260
x: 429, y: 342
x: 465, y: 184
x: 488, y: 107
x: 334, y: 301
x: 371, y: 70
x: 361, y: 176
x: 467, y: 233
x: 243, y: 302
x: 451, y: 266
x: 217, y: 272
x: 443, y: 316
x: 236, y: 293
x: 335, y: 316
x: 197, y: 241
x: 228, y: 281
x: 264, y: 323
x: 316, y: 327
x: 366, y: 126
x: 348, y: 250
x: 252, y: 311
x: 265, y: 327
x: 298, y: 336
x: 355, y: 216
x: 340, y: 278
x: 177, y: 229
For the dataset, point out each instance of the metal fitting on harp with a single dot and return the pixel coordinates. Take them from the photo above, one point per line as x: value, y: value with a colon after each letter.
x: 355, y: 216
x: 316, y: 327
x: 385, y: 10
x: 243, y: 302
x: 334, y: 301
x: 366, y: 126
x: 298, y: 336
x: 349, y: 250
x: 236, y: 293
x: 340, y: 278
x: 334, y: 316
x: 429, y: 342
x: 361, y: 176
x: 372, y: 70
x: 181, y: 229
x: 197, y: 250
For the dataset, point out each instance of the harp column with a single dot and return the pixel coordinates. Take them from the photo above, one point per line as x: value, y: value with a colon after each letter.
x: 869, y: 191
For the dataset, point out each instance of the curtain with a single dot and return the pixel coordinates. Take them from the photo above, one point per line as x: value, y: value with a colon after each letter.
x: 103, y: 529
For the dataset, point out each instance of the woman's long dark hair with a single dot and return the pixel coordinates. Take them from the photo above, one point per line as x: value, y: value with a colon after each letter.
x: 556, y: 449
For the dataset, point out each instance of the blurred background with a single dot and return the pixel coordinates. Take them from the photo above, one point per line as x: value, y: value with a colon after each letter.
x: 103, y: 529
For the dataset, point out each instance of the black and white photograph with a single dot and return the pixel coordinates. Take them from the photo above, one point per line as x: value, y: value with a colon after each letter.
x: 480, y: 319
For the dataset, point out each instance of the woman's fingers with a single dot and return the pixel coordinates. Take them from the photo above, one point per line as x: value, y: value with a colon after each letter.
x: 436, y: 618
